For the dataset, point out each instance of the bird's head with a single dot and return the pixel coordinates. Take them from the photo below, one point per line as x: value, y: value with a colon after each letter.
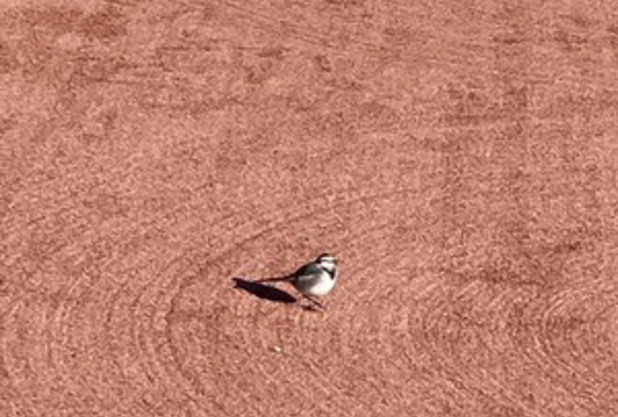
x: 328, y: 262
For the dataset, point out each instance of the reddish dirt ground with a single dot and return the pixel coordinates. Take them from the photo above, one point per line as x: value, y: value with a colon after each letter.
x: 460, y: 159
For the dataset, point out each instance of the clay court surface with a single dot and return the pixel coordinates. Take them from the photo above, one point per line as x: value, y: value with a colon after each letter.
x: 459, y: 158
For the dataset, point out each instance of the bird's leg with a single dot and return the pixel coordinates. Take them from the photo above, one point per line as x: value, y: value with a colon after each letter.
x: 314, y: 301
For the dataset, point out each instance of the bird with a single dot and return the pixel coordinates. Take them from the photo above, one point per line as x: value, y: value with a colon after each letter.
x: 314, y: 279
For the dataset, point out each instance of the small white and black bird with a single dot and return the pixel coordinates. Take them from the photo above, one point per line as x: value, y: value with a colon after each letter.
x: 316, y: 278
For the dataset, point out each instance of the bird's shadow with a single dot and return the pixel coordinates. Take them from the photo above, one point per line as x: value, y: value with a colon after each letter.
x: 263, y: 291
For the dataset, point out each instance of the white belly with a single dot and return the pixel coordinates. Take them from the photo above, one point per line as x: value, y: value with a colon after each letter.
x: 323, y: 286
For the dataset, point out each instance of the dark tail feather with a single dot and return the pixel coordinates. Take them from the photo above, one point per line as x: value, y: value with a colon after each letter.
x: 275, y: 279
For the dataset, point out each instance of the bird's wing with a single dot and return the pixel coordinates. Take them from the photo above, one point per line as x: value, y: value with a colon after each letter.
x: 307, y: 272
